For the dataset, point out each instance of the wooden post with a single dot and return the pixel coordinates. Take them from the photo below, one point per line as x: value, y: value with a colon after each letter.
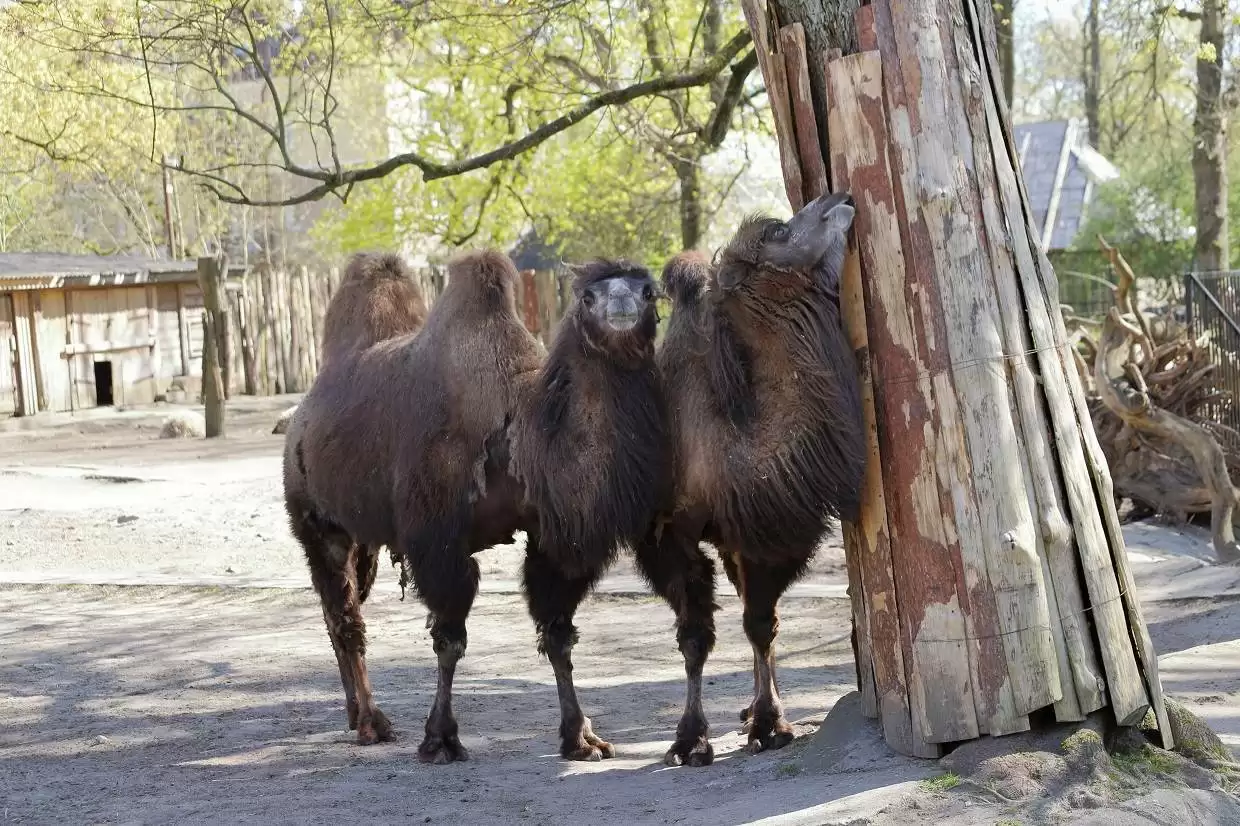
x: 988, y: 543
x: 529, y: 302
x: 548, y: 304
x: 246, y: 320
x: 210, y: 280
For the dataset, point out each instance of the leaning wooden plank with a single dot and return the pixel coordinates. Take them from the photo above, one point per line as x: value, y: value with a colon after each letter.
x: 933, y: 633
x: 937, y: 181
x: 872, y: 534
x: 1072, y: 431
x: 1068, y: 606
x: 1041, y: 472
x: 990, y: 690
x: 775, y: 78
x: 867, y: 36
x: 992, y: 693
x: 809, y: 150
x: 868, y: 543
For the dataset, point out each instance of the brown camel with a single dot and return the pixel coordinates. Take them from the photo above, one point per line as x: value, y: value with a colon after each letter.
x: 445, y: 443
x: 765, y: 416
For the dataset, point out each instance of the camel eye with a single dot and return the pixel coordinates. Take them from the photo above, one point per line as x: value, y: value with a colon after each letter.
x: 647, y: 293
x: 775, y: 232
x: 588, y: 299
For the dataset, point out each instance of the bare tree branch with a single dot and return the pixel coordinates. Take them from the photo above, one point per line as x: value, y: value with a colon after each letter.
x: 331, y: 181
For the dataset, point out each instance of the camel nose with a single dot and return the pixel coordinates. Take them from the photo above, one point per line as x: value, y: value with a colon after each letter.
x: 623, y: 308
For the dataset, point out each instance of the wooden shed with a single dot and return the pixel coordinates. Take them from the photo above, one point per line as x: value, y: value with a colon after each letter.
x: 81, y: 331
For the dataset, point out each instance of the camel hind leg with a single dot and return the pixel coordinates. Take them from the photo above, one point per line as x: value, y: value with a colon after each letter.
x: 333, y: 558
x: 446, y: 578
x: 760, y: 584
x: 553, y: 599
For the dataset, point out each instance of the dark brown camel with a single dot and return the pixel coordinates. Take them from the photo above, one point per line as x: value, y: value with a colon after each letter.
x: 446, y: 443
x: 765, y: 415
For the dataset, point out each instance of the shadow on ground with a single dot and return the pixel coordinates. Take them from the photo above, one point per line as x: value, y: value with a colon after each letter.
x: 158, y: 705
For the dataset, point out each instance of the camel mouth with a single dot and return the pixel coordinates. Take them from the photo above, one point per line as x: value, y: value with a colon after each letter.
x: 622, y: 321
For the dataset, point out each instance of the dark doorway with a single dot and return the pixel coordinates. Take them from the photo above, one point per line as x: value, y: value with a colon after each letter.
x: 103, y: 383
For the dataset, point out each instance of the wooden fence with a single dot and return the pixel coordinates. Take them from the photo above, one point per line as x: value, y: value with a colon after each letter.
x: 275, y: 322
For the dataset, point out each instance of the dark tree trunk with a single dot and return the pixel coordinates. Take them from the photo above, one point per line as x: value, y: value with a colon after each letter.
x: 987, y: 567
x: 1091, y: 74
x: 1210, y: 143
x: 688, y: 172
x: 1004, y: 12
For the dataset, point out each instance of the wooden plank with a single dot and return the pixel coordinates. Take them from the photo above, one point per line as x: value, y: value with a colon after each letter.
x: 936, y: 180
x: 1073, y: 434
x: 872, y: 573
x: 994, y: 706
x: 933, y: 632
x: 863, y: 656
x: 1078, y: 665
x: 785, y: 134
x: 801, y: 103
x: 8, y: 358
x: 867, y: 35
x: 157, y: 352
x: 53, y: 334
x: 27, y: 394
x: 548, y: 303
x: 1039, y: 468
x: 529, y: 301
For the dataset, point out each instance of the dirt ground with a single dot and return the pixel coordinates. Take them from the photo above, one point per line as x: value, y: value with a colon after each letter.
x: 163, y: 659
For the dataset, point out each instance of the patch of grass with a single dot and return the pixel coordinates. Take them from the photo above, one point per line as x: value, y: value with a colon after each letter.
x: 1007, y: 821
x: 1082, y: 739
x: 942, y: 783
x: 1146, y: 761
x: 788, y: 770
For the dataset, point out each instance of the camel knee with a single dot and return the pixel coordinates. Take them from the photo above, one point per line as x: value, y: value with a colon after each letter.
x: 556, y: 639
x: 761, y: 629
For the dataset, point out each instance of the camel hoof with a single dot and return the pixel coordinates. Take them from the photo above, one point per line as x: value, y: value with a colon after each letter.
x: 694, y: 753
x: 588, y: 746
x: 772, y: 739
x: 440, y: 751
x: 375, y: 730
x: 585, y: 753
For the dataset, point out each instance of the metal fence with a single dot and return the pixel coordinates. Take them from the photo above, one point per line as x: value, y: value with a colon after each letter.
x: 1212, y: 309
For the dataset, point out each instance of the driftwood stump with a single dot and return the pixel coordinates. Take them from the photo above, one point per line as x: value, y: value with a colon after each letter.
x: 1161, y: 458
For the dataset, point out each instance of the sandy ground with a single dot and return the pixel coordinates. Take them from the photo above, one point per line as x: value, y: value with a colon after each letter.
x: 163, y: 659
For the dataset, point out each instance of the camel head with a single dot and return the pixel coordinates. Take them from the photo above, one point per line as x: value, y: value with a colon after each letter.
x: 768, y: 256
x: 615, y: 301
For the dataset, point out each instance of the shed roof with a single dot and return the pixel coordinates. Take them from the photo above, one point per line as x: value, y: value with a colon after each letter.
x: 53, y: 270
x: 1060, y: 170
x: 14, y: 265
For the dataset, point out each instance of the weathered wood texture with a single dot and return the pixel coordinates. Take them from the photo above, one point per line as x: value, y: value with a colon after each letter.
x: 988, y: 574
x: 214, y: 329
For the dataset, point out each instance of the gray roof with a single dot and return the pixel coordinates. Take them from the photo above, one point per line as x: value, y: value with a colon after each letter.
x: 15, y: 265
x: 1043, y: 147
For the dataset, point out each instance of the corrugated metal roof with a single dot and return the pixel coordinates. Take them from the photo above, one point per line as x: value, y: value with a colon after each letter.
x: 16, y: 265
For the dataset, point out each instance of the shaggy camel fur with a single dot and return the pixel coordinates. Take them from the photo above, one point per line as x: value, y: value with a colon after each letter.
x: 446, y: 443
x: 377, y: 299
x: 765, y: 413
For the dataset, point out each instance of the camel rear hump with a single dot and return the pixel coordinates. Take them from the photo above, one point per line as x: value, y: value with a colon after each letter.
x: 685, y: 276
x: 377, y: 300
